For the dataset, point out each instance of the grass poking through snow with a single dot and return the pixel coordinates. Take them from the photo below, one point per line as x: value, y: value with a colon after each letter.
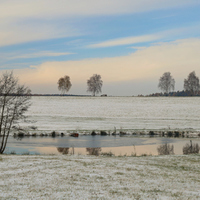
x: 91, y: 177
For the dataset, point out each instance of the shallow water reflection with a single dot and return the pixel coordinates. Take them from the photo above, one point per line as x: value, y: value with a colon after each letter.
x: 63, y: 150
x: 94, y: 151
x: 95, y: 145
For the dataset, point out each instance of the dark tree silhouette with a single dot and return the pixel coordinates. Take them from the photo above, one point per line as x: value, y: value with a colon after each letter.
x: 64, y: 84
x: 14, y: 102
x: 191, y: 84
x: 166, y: 82
x: 94, y: 84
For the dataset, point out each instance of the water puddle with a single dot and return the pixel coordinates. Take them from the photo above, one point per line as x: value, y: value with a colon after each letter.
x: 95, y: 145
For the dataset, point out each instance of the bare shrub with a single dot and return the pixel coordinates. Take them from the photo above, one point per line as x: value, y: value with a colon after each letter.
x: 53, y: 134
x: 169, y: 134
x: 176, y: 134
x: 94, y: 151
x: 93, y: 133
x: 133, y: 154
x: 107, y: 154
x: 151, y: 133
x: 190, y: 148
x: 26, y: 153
x: 13, y: 152
x: 165, y: 149
x: 103, y: 133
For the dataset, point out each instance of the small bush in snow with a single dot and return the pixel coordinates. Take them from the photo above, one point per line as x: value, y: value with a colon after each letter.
x: 94, y: 151
x: 169, y: 134
x: 190, y: 148
x: 107, y: 154
x: 165, y: 149
x: 13, y: 152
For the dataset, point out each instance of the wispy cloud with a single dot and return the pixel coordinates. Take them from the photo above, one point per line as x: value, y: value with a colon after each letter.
x: 26, y: 21
x: 55, y: 8
x: 156, y: 37
x: 126, y: 41
x: 42, y: 54
x: 15, y: 33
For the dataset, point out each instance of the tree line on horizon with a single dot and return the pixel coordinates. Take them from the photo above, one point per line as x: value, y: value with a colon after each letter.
x: 94, y: 84
x: 166, y: 85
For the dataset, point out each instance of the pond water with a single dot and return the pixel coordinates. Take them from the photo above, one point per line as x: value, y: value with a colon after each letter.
x: 126, y: 145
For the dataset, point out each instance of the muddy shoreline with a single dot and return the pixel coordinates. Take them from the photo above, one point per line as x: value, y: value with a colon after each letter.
x: 151, y: 133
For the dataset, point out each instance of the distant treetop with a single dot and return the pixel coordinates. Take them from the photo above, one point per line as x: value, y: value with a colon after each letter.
x: 64, y: 84
x: 191, y: 84
x: 166, y: 82
x: 94, y: 84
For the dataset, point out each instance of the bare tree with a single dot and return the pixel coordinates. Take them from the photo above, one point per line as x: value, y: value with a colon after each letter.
x: 166, y: 82
x: 64, y: 84
x: 94, y: 84
x: 191, y: 84
x: 14, y: 102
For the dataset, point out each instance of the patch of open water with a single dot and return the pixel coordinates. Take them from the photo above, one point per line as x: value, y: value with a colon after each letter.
x: 126, y: 145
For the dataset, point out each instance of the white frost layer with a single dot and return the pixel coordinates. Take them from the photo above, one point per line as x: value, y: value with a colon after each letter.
x: 90, y: 177
x: 105, y: 113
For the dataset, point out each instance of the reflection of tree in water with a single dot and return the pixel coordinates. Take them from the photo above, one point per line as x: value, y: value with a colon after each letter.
x: 94, y: 151
x: 63, y: 150
x: 165, y: 149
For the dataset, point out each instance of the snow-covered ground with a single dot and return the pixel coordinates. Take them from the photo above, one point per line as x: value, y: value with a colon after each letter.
x: 103, y: 177
x: 107, y: 113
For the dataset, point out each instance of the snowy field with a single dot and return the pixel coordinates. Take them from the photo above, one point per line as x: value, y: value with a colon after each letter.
x: 90, y: 177
x: 105, y: 113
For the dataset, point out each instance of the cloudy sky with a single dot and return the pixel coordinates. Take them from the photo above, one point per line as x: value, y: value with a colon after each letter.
x: 130, y: 43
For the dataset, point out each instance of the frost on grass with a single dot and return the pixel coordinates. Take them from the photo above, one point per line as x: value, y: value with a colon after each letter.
x: 91, y: 177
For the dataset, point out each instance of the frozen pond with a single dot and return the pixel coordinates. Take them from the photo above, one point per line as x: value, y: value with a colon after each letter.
x: 104, y: 113
x: 126, y: 145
